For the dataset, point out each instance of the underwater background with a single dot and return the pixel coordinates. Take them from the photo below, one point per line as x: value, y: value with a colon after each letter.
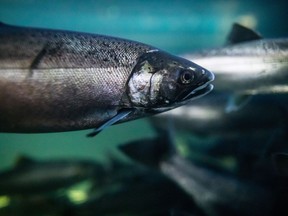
x: 172, y: 25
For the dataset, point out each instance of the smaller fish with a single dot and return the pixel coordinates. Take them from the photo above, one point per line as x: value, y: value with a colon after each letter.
x: 247, y: 65
x: 35, y: 177
x: 216, y: 193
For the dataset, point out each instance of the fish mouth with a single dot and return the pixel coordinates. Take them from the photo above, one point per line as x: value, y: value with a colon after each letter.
x: 199, y: 92
x: 203, y: 89
x: 196, y: 93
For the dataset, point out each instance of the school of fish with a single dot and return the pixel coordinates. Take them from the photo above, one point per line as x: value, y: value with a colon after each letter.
x: 217, y: 149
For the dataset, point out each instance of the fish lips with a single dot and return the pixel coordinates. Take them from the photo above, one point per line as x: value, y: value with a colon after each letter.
x: 202, y: 89
x: 199, y: 92
x: 196, y: 93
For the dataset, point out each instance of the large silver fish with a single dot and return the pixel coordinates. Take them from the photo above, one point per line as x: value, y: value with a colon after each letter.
x: 248, y: 65
x: 59, y: 81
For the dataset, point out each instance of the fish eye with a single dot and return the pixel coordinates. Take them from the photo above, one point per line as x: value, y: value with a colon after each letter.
x: 186, y: 76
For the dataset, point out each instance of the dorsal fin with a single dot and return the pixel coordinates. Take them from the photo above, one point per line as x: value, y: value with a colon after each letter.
x: 240, y: 34
x: 24, y: 161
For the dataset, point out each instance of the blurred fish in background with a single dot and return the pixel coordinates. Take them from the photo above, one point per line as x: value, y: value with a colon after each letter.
x: 33, y: 177
x: 229, y: 150
x: 79, y: 187
x: 248, y: 65
x: 215, y: 191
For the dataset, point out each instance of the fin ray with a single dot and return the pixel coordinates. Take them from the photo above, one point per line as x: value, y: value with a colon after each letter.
x: 237, y: 102
x: 120, y: 115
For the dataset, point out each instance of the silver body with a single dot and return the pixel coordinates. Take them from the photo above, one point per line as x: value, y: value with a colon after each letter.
x: 254, y: 67
x: 54, y: 80
x: 71, y: 69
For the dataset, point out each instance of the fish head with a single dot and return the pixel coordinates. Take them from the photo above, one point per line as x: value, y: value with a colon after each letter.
x: 161, y: 81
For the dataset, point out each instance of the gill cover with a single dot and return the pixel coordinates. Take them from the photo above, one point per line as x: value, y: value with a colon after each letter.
x: 144, y: 83
x: 160, y: 79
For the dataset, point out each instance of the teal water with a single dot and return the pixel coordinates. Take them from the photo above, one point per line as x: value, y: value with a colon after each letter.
x: 175, y: 26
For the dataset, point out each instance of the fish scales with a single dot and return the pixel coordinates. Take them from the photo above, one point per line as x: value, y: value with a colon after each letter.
x: 52, y: 80
x: 75, y: 59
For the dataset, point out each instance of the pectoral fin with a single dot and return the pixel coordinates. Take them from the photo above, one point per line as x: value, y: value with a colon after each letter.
x: 236, y: 102
x: 120, y: 115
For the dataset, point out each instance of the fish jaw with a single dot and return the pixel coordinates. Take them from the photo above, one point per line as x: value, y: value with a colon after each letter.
x: 193, y: 96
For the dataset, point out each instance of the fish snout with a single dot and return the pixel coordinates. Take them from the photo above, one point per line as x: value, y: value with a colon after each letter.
x: 205, y: 77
